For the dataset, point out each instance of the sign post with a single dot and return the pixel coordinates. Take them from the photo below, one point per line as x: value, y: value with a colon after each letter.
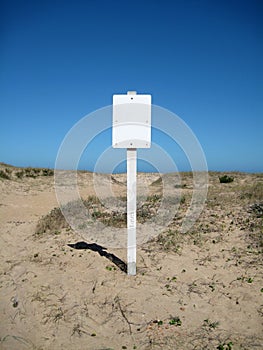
x: 131, y: 130
x: 131, y: 210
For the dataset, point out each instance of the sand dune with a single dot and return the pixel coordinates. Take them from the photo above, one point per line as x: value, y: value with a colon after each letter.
x: 199, y: 290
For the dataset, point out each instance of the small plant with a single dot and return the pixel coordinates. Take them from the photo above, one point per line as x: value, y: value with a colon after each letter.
x: 19, y: 174
x: 168, y: 287
x: 159, y: 322
x: 175, y: 321
x: 257, y: 209
x: 29, y: 172
x: 110, y: 268
x: 182, y: 199
x: 4, y: 175
x: 153, y: 199
x: 8, y: 171
x: 47, y: 172
x: 228, y: 346
x: 97, y: 214
x: 212, y: 287
x: 54, y: 221
x: 211, y: 325
x: 225, y: 179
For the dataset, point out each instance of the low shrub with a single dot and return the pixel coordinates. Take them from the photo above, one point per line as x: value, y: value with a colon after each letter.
x: 225, y: 179
x: 52, y: 222
x: 55, y: 221
x: 4, y: 174
x: 47, y: 172
x: 19, y: 174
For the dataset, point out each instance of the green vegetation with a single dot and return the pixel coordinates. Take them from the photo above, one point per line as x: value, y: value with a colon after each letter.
x: 19, y: 174
x: 228, y: 346
x: 10, y: 173
x: 47, y: 172
x: 225, y: 179
x: 211, y: 325
x: 55, y: 221
x: 221, y: 214
x: 4, y: 174
x: 111, y: 268
x: 175, y: 321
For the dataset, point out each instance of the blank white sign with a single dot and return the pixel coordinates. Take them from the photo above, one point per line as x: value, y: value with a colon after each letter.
x: 131, y: 126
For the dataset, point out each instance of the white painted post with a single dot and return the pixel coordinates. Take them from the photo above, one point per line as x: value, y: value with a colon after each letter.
x: 131, y: 129
x: 131, y: 210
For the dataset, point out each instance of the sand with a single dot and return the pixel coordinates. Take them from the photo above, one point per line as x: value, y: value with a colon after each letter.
x: 199, y: 291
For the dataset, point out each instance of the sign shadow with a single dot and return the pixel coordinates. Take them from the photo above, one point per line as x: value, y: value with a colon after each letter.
x: 102, y: 252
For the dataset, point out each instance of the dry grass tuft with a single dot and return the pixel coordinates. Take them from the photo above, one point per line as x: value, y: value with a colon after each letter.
x: 55, y: 221
x: 52, y: 222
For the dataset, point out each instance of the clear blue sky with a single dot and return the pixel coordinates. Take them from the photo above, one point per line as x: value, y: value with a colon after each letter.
x: 61, y: 60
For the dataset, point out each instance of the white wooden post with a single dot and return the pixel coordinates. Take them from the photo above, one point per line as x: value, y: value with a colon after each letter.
x: 131, y: 210
x: 131, y: 129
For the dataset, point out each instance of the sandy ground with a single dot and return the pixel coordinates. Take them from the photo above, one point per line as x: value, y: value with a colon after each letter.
x: 202, y: 291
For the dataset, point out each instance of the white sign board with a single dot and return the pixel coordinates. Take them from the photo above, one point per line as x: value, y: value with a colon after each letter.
x: 131, y: 126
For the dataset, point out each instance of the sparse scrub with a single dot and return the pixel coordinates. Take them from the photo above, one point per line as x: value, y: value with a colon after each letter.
x: 19, y: 174
x: 228, y: 346
x: 169, y: 241
x: 257, y: 209
x: 210, y: 325
x: 245, y: 198
x: 8, y: 171
x: 35, y: 172
x: 253, y: 193
x: 4, y: 175
x: 52, y: 222
x: 183, y: 199
x: 226, y: 179
x: 55, y: 221
x: 47, y: 172
x: 30, y: 172
x: 82, y: 296
x: 175, y: 321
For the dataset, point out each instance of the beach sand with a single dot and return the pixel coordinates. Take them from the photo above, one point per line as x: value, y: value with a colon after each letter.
x: 200, y: 290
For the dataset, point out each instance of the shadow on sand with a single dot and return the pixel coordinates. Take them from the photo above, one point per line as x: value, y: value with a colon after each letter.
x: 102, y: 252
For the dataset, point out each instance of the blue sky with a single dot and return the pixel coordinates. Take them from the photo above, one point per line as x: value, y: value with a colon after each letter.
x: 202, y: 60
